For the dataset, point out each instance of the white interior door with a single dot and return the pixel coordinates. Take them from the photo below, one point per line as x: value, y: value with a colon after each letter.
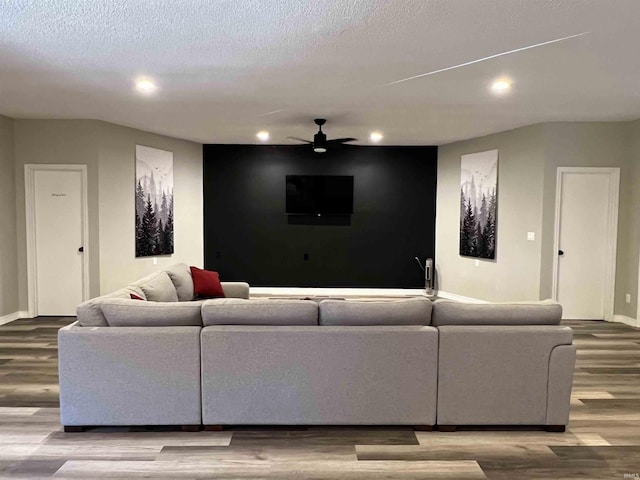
x: 586, y: 233
x: 58, y: 235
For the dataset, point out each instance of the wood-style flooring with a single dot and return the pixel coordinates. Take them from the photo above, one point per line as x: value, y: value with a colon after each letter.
x: 602, y: 441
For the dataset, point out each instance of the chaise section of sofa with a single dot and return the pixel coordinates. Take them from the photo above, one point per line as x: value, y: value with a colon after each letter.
x: 164, y: 287
x: 132, y: 362
x: 503, y: 364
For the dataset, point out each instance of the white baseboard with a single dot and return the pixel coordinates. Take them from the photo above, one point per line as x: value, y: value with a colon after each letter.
x: 13, y: 316
x: 632, y: 322
x: 459, y: 298
x: 340, y: 292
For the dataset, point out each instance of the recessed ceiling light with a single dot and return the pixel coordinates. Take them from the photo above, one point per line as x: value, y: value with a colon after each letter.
x: 501, y: 86
x: 375, y: 137
x: 263, y: 135
x: 145, y: 85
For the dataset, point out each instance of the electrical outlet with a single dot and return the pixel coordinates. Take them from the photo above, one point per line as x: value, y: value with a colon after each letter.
x: 155, y: 260
x: 627, y: 298
x: 531, y: 236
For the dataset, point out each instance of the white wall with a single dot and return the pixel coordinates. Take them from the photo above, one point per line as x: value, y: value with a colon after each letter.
x: 8, y: 245
x: 515, y: 273
x: 528, y: 158
x: 528, y: 162
x: 631, y: 246
x: 589, y: 144
x: 57, y: 142
x: 118, y: 265
x: 109, y: 153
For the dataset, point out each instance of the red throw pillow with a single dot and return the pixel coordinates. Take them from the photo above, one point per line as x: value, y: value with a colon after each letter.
x: 135, y: 297
x: 206, y: 284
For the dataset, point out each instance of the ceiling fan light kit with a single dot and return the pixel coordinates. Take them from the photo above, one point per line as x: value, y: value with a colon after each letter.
x: 320, y: 139
x: 320, y: 142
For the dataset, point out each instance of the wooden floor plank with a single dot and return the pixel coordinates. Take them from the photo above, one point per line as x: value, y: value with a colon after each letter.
x: 360, y: 470
x: 270, y: 454
x: 313, y: 436
x: 477, y: 452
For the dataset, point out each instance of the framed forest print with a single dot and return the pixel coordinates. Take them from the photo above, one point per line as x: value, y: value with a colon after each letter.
x: 478, y: 204
x: 154, y: 202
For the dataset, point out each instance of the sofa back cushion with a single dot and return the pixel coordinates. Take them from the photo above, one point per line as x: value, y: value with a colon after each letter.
x: 158, y: 287
x: 180, y: 275
x: 546, y: 312
x: 134, y: 313
x: 236, y: 311
x: 90, y: 314
x: 411, y: 311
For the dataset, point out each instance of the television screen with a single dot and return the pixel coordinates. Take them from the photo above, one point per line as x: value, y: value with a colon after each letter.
x: 320, y: 194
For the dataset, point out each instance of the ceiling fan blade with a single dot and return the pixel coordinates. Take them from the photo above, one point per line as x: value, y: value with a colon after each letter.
x: 300, y: 139
x: 342, y: 140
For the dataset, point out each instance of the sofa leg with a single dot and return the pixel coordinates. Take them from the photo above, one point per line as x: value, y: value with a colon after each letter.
x: 555, y: 428
x: 447, y: 428
x: 70, y: 429
x: 190, y: 428
x: 213, y: 428
x: 423, y: 428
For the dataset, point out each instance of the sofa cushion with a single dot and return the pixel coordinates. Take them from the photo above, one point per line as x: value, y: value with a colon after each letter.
x: 180, y: 275
x: 411, y: 311
x: 546, y: 312
x: 89, y: 313
x: 237, y: 311
x: 131, y: 313
x: 157, y: 287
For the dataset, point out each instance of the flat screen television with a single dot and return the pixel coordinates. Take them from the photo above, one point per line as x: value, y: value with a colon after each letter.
x: 319, y: 194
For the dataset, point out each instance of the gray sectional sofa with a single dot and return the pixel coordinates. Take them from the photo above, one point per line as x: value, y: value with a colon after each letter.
x: 175, y: 361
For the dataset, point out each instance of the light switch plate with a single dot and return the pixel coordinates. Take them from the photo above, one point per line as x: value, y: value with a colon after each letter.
x: 477, y: 262
x: 627, y: 298
x: 155, y: 260
x: 531, y: 236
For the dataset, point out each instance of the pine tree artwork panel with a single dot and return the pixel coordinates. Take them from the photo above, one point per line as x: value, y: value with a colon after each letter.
x: 478, y: 204
x: 154, y: 202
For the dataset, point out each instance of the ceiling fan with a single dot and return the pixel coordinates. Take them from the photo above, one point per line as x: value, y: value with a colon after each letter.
x: 320, y: 142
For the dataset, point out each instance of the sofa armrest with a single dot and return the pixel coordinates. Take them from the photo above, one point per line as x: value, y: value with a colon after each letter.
x: 500, y: 375
x: 561, y: 366
x: 235, y: 289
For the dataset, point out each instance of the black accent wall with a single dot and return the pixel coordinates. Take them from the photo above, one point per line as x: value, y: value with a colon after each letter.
x: 249, y: 237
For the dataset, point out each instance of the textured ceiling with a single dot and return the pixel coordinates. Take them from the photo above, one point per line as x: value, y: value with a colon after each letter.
x: 226, y: 69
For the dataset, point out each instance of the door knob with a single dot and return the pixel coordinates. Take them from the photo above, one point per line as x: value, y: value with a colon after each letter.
x: 560, y: 252
x: 81, y: 249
